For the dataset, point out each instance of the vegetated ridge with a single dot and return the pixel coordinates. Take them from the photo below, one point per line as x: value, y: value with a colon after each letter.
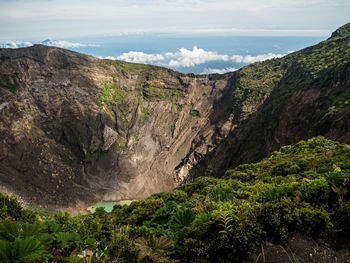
x: 76, y: 129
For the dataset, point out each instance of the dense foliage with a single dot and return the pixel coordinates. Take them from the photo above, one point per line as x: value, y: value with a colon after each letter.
x: 302, y: 188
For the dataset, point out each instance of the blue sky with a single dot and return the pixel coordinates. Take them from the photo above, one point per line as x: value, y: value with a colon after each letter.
x: 40, y: 19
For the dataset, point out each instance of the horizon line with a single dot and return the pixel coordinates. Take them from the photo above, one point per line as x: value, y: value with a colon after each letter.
x: 214, y: 32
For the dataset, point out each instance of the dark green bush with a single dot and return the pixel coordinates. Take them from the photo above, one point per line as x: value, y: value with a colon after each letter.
x: 312, y: 220
x: 121, y: 248
x: 138, y: 211
x: 342, y: 218
x: 162, y: 216
x: 10, y: 207
x: 178, y: 196
x: 277, y: 193
x: 317, y: 191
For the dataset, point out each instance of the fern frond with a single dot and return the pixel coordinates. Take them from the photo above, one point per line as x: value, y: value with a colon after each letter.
x: 9, y: 231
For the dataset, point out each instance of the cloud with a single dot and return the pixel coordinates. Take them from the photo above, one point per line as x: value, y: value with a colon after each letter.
x: 15, y: 44
x: 182, y: 58
x: 189, y: 58
x: 141, y: 57
x: 65, y: 44
x: 251, y: 59
x: 196, y: 56
x: 218, y: 70
x: 47, y: 42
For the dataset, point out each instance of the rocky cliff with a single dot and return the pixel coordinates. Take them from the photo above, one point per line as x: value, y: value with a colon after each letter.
x: 75, y: 129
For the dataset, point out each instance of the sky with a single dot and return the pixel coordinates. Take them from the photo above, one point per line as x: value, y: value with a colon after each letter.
x: 40, y: 19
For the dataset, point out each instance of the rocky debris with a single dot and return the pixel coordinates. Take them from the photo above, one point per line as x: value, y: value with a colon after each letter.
x: 302, y: 249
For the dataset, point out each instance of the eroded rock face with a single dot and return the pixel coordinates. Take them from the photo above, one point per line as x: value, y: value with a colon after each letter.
x: 78, y: 128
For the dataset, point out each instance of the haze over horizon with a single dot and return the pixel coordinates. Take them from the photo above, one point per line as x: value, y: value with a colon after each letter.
x: 193, y: 36
x: 38, y: 19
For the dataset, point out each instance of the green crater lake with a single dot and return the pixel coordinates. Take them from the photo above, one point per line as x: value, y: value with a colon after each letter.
x: 108, y: 206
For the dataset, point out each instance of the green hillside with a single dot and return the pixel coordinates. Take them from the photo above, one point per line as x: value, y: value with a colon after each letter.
x: 284, y: 100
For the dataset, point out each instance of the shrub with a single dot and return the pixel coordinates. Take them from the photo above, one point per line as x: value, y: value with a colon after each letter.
x: 22, y: 250
x: 9, y: 206
x: 317, y: 191
x: 146, y: 209
x: 162, y: 216
x: 194, y: 113
x: 278, y: 219
x: 182, y: 218
x: 342, y: 218
x: 312, y: 220
x: 277, y: 193
x: 177, y: 195
x: 121, y: 248
x: 29, y: 216
x: 200, y: 185
x: 155, y: 248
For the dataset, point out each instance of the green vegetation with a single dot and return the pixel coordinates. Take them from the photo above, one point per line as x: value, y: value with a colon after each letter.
x: 69, y: 161
x: 129, y: 67
x: 303, y: 87
x: 12, y: 88
x: 145, y: 114
x: 10, y: 207
x: 155, y: 90
x: 194, y: 113
x: 121, y: 144
x: 302, y: 188
x: 96, y: 154
x: 176, y: 107
x: 111, y: 95
x: 255, y: 82
x: 329, y: 55
x: 315, y: 66
x: 342, y: 31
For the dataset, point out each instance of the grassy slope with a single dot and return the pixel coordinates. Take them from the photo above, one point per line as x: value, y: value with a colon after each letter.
x: 316, y: 65
x: 309, y: 90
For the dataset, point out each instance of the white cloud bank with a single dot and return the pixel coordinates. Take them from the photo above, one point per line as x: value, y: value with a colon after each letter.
x: 47, y: 42
x: 182, y: 58
x: 251, y: 59
x: 141, y: 57
x: 65, y: 44
x: 190, y: 58
x: 14, y: 44
x: 218, y: 70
